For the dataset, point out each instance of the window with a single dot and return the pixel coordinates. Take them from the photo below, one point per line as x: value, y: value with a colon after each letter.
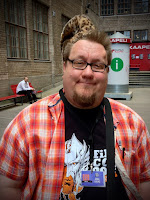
x: 124, y: 6
x: 107, y: 7
x: 126, y: 33
x: 148, y: 56
x: 141, y: 6
x: 133, y: 56
x: 40, y: 31
x: 141, y: 56
x: 109, y: 33
x: 15, y: 26
x: 140, y: 35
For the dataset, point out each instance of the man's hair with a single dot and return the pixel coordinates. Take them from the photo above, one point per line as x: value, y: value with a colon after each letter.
x: 94, y: 36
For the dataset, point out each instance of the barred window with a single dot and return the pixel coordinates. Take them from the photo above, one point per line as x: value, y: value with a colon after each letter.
x: 124, y: 6
x: 133, y: 56
x: 15, y: 26
x: 40, y: 31
x: 140, y: 35
x: 126, y: 33
x: 141, y: 56
x: 109, y: 33
x: 107, y: 7
x: 141, y: 6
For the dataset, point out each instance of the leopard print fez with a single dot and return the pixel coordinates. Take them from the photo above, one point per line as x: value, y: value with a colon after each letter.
x: 76, y: 28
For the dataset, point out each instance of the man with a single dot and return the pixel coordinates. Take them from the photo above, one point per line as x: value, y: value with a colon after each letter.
x: 24, y: 88
x: 57, y: 148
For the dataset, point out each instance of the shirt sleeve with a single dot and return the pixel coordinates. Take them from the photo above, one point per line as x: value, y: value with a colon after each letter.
x: 25, y: 86
x: 29, y: 88
x: 144, y: 154
x: 13, y: 151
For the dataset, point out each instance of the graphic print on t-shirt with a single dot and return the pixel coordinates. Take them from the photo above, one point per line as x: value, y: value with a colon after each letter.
x: 77, y: 160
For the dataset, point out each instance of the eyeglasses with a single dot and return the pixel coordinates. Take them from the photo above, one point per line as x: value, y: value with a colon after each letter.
x: 81, y: 65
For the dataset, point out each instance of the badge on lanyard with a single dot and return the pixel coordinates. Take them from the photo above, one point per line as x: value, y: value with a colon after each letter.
x: 93, y: 179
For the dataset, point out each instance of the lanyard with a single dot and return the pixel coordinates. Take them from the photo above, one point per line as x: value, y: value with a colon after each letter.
x: 109, y: 143
x: 110, y: 151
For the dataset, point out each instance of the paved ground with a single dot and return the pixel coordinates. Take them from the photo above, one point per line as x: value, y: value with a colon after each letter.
x: 140, y: 102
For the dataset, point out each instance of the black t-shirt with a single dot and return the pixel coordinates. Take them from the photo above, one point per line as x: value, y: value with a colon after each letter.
x: 78, y: 125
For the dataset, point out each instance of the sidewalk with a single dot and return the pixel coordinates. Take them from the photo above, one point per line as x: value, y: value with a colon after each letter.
x: 140, y: 103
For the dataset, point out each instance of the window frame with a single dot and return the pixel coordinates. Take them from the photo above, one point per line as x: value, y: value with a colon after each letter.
x: 109, y: 33
x: 141, y: 6
x: 40, y: 32
x: 123, y: 32
x: 123, y: 6
x: 16, y: 29
x: 140, y: 35
x: 109, y: 7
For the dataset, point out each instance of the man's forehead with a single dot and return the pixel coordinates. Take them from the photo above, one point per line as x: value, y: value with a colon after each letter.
x: 83, y: 47
x: 86, y: 43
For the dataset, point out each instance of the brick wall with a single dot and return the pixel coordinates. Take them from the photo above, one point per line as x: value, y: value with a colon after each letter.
x: 4, y: 80
x: 43, y: 75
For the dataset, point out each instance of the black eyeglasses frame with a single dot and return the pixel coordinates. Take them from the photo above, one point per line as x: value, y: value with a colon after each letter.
x: 72, y: 61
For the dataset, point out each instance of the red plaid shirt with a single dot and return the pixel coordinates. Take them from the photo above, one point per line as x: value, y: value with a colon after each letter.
x: 33, y: 147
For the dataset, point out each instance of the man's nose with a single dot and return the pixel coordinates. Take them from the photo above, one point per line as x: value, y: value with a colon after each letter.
x: 88, y: 70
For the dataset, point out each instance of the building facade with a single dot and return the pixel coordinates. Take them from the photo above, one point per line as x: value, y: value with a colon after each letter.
x: 30, y: 41
x: 30, y: 34
x: 131, y: 18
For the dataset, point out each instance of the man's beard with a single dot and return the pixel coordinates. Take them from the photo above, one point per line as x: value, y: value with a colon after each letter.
x: 83, y: 100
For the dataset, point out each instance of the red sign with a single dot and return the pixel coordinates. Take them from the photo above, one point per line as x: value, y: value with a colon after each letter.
x: 140, y: 56
x: 120, y: 40
x: 139, y: 46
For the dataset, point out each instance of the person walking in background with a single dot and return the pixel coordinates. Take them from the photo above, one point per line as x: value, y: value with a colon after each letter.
x: 77, y: 144
x: 24, y: 88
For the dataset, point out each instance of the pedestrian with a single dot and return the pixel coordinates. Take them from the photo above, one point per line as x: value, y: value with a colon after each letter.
x: 77, y: 144
x: 24, y: 88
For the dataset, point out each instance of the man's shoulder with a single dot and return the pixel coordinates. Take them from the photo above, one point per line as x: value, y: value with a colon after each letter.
x: 53, y: 98
x: 46, y: 102
x: 116, y: 105
x: 123, y: 112
x: 21, y: 82
x: 38, y: 110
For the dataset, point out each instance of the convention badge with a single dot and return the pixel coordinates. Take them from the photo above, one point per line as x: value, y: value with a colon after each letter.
x: 93, y: 179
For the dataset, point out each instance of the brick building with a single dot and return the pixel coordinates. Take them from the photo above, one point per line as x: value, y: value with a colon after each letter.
x: 30, y: 34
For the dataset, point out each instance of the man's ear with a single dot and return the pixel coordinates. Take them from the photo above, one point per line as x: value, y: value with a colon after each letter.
x: 64, y: 66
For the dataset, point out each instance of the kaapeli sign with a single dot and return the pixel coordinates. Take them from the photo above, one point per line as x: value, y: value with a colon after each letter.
x: 121, y: 40
x: 140, y: 47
